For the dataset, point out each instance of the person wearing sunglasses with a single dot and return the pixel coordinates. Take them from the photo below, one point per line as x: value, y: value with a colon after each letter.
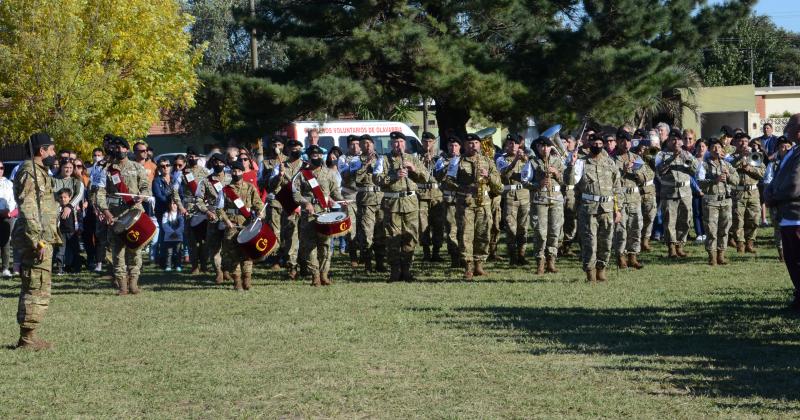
x: 192, y: 176
x: 8, y: 215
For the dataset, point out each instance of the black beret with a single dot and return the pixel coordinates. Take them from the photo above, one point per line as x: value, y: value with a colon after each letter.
x: 337, y: 150
x: 712, y: 141
x: 542, y: 140
x: 741, y: 135
x: 727, y: 130
x: 352, y: 138
x: 293, y: 143
x: 675, y: 132
x: 428, y: 135
x: 108, y: 138
x: 473, y: 137
x: 453, y: 139
x: 190, y: 151
x: 397, y: 135
x: 279, y: 139
x: 516, y: 138
x: 783, y: 140
x: 313, y: 149
x: 237, y: 164
x: 218, y: 157
x: 624, y: 135
x: 366, y: 137
x: 121, y: 142
x: 641, y: 132
x: 40, y: 140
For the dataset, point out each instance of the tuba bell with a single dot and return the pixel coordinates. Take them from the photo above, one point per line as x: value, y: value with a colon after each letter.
x: 755, y: 159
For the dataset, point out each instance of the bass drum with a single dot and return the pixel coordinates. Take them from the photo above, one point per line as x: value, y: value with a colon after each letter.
x: 135, y: 229
x: 198, y: 223
x: 333, y: 224
x: 257, y: 240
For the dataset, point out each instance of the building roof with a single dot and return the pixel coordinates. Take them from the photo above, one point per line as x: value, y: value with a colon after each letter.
x: 778, y: 90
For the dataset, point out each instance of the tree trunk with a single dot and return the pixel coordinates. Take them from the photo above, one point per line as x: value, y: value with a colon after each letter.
x: 451, y: 119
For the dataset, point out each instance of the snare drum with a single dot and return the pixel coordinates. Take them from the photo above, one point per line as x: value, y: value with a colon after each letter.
x: 198, y: 222
x: 135, y: 229
x: 333, y: 224
x: 284, y: 196
x: 257, y: 240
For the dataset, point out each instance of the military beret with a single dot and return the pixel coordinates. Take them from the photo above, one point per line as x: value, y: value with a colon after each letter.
x: 473, y: 137
x: 237, y: 164
x: 41, y: 140
x: 624, y: 135
x: 335, y: 150
x: 727, y: 130
x: 293, y: 143
x: 544, y: 140
x: 453, y: 139
x: 310, y: 150
x: 427, y: 135
x: 756, y: 141
x: 640, y: 132
x: 352, y: 138
x: 394, y: 135
x: 712, y: 141
x: 675, y: 133
x: 108, y: 138
x: 516, y: 138
x: 218, y: 157
x: 741, y: 135
x: 121, y: 142
x: 190, y: 151
x: 366, y: 137
x: 280, y: 139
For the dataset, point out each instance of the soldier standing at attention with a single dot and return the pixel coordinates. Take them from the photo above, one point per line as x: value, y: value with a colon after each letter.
x: 598, y: 181
x: 349, y: 192
x: 517, y: 199
x: 648, y: 197
x: 431, y: 206
x: 193, y: 175
x: 628, y: 232
x: 570, y: 201
x: 211, y: 188
x: 35, y: 233
x: 238, y: 204
x: 368, y: 199
x: 123, y: 176
x: 449, y: 199
x: 717, y: 178
x: 675, y: 167
x: 472, y: 176
x: 747, y: 199
x: 398, y: 176
x: 543, y: 174
x: 313, y: 190
x: 289, y: 220
x: 270, y: 167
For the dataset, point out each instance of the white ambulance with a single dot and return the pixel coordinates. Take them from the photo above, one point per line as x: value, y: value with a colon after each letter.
x: 334, y: 133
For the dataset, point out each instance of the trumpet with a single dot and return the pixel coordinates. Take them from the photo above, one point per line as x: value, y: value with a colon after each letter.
x: 755, y: 159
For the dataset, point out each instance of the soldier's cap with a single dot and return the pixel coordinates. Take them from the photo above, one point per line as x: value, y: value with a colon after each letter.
x: 293, y: 143
x: 675, y: 133
x: 712, y: 141
x: 473, y: 137
x: 726, y: 130
x: 237, y: 164
x: 310, y: 150
x: 640, y: 132
x: 108, y: 138
x: 741, y: 135
x: 279, y: 139
x: 624, y: 135
x: 394, y: 135
x: 427, y: 135
x: 544, y: 140
x: 783, y: 140
x: 516, y: 138
x: 454, y: 139
x: 756, y: 141
x: 219, y: 157
x: 352, y: 138
x: 607, y: 137
x: 190, y: 151
x: 121, y: 142
x: 40, y: 140
x: 366, y: 137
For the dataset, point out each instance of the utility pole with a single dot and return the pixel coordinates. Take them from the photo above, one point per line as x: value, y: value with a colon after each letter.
x: 424, y: 114
x: 253, y: 40
x: 752, y: 73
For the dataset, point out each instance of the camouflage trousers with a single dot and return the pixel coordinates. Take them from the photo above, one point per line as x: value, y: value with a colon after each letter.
x: 597, y: 235
x: 103, y: 250
x: 570, y: 218
x: 627, y: 233
x: 649, y: 213
x: 474, y: 224
x: 34, y: 294
x: 677, y: 213
x: 547, y: 234
x: 371, y: 230
x: 214, y: 237
x: 233, y: 260
x: 402, y: 236
x: 716, y: 222
x: 127, y: 262
x: 315, y: 249
x: 746, y: 215
x: 494, y: 228
x: 517, y: 215
x: 431, y: 223
x: 197, y: 244
x: 451, y: 227
x: 290, y: 239
x: 775, y: 220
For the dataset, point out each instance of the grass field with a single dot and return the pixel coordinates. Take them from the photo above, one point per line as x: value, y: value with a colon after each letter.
x: 670, y: 341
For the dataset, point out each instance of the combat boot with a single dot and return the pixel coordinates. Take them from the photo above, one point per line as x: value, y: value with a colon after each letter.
x: 292, y: 273
x: 479, y: 269
x: 671, y: 253
x: 247, y: 280
x: 551, y: 264
x: 237, y: 282
x: 712, y: 258
x: 646, y: 245
x: 220, y: 277
x: 123, y: 286
x: 379, y: 266
x: 324, y: 280
x: 353, y: 251
x: 591, y: 276
x: 455, y: 262
x: 622, y: 263
x: 740, y: 247
x: 521, y: 257
x: 679, y: 251
x: 633, y: 261
x: 426, y: 253
x: 780, y: 254
x: 540, y: 266
x: 134, y: 285
x: 601, y: 274
x: 750, y: 247
x: 275, y: 267
x: 367, y: 257
x: 405, y: 272
x: 395, y: 274
x: 565, y: 249
x: 721, y: 257
x: 435, y: 257
x: 29, y: 341
x: 468, y: 274
x: 315, y: 280
x: 732, y: 242
x: 512, y: 255
x: 227, y: 276
x: 195, y: 269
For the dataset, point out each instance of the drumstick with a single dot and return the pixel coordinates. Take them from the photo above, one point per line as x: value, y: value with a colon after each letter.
x: 132, y: 195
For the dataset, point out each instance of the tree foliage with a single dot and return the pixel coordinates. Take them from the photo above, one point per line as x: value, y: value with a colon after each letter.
x: 82, y: 68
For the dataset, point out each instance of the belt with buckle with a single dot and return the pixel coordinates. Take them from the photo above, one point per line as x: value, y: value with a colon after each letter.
x: 630, y: 190
x: 596, y: 198
x: 428, y: 186
x: 346, y: 190
x: 569, y: 187
x: 675, y: 184
x: 462, y: 194
x: 368, y: 189
x: 512, y: 187
x: 746, y: 187
x: 115, y: 201
x: 399, y: 194
x: 232, y: 212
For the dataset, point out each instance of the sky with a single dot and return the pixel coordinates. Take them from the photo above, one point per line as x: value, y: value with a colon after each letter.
x: 785, y: 13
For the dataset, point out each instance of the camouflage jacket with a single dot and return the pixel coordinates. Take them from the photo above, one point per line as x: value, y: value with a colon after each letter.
x: 29, y: 228
x: 385, y: 176
x: 133, y: 176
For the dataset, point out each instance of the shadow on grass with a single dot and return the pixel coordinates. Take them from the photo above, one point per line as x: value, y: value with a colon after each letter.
x: 735, y: 346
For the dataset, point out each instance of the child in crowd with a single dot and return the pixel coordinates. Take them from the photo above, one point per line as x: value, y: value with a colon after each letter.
x: 172, y: 229
x: 67, y: 255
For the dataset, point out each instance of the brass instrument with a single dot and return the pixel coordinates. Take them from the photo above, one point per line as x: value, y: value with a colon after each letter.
x: 755, y: 159
x: 553, y: 133
x: 480, y: 181
x: 403, y: 166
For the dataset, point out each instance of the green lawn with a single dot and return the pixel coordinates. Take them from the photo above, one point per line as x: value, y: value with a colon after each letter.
x: 673, y: 340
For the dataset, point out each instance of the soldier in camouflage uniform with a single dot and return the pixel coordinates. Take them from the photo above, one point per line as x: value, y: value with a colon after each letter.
x: 187, y: 199
x: 717, y: 178
x: 290, y: 241
x: 570, y: 201
x: 747, y: 199
x: 431, y: 204
x: 516, y: 198
x: 270, y: 169
x: 649, y: 201
x: 449, y: 200
x: 315, y: 249
x: 210, y: 189
x: 234, y: 261
x: 369, y: 212
x: 675, y: 167
x: 543, y: 174
x: 127, y: 262
x: 628, y: 233
x: 349, y: 192
x: 473, y: 177
x: 97, y: 178
x: 35, y: 233
x: 398, y: 174
x: 598, y: 181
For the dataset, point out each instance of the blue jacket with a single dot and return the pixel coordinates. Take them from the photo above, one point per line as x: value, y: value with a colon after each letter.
x: 162, y: 192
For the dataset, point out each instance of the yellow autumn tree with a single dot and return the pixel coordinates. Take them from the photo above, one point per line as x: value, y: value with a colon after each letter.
x: 82, y: 68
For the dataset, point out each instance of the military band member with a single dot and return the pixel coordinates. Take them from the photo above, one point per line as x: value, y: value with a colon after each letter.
x: 127, y: 177
x: 717, y: 178
x: 97, y: 178
x: 472, y: 176
x: 570, y: 201
x: 598, y: 181
x: 35, y: 232
x: 649, y: 200
x: 544, y: 174
x: 369, y: 213
x: 270, y: 169
x: 675, y: 167
x: 289, y: 237
x: 315, y: 190
x: 516, y: 198
x: 747, y: 199
x: 187, y: 198
x: 451, y: 233
x: 431, y: 205
x: 628, y: 233
x: 349, y: 192
x: 398, y: 174
x: 237, y: 205
x: 210, y: 189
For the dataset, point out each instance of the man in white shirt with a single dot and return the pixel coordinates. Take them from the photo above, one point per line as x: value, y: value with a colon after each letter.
x: 8, y: 212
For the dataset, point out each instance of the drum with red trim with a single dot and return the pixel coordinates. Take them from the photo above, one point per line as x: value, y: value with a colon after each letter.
x: 135, y: 228
x: 257, y: 240
x: 333, y: 224
x: 198, y: 223
x: 284, y: 196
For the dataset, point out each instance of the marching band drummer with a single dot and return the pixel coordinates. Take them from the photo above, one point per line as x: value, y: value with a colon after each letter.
x: 210, y: 189
x: 125, y: 177
x: 717, y: 178
x: 517, y: 199
x: 349, y: 192
x: 238, y: 203
x: 313, y: 190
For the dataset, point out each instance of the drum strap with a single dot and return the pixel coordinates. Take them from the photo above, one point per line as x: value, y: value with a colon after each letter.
x: 231, y: 194
x: 188, y: 176
x: 315, y: 188
x: 119, y: 184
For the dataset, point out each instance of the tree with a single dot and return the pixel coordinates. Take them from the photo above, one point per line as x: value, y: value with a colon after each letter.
x: 82, y: 68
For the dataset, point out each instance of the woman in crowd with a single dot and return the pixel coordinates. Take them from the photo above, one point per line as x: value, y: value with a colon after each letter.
x: 699, y: 151
x: 162, y: 193
x: 8, y: 213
